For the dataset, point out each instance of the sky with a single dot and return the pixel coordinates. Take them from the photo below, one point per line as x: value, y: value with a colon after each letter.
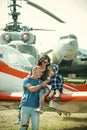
x: 73, y: 12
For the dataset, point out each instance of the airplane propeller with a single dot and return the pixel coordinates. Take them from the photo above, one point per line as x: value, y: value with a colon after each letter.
x: 44, y: 10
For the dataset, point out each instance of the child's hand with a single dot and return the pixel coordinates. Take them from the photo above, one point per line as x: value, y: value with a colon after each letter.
x: 52, y: 72
x: 48, y: 79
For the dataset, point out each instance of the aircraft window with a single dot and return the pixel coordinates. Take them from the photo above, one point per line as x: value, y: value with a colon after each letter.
x: 13, y: 46
x: 73, y: 36
x: 17, y: 60
x: 69, y: 36
x: 64, y: 37
x: 1, y: 56
x: 27, y: 49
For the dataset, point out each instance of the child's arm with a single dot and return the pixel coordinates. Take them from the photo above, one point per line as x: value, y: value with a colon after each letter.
x: 52, y: 72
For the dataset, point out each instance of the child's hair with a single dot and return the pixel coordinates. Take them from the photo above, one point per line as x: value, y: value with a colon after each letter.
x: 55, y: 68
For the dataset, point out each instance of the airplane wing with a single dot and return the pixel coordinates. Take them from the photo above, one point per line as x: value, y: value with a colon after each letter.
x: 11, y: 96
x: 75, y: 102
x: 75, y: 88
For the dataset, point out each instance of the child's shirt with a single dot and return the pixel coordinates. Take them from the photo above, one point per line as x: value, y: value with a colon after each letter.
x: 57, y: 80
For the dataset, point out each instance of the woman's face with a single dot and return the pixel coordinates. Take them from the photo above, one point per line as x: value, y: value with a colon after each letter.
x: 44, y: 63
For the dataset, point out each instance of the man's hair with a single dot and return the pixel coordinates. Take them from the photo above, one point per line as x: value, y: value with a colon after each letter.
x: 34, y: 68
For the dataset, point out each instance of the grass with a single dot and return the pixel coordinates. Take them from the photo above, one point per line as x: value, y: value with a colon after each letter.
x: 48, y: 121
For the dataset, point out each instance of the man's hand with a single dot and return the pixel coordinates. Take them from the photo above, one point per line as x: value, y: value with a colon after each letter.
x: 44, y: 83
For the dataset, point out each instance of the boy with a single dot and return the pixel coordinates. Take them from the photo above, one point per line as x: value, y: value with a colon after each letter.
x: 56, y: 82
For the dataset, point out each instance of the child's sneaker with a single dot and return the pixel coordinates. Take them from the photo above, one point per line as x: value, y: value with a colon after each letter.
x: 49, y: 98
x: 39, y: 110
x: 56, y: 98
x: 17, y: 121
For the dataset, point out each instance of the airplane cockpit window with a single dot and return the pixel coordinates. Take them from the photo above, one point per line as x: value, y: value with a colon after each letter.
x: 73, y: 36
x: 82, y: 52
x: 17, y: 60
x: 68, y: 36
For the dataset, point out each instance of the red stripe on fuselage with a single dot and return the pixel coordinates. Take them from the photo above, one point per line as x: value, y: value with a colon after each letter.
x: 11, y: 71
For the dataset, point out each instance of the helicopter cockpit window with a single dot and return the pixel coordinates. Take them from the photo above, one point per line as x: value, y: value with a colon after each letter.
x: 1, y: 54
x: 13, y: 46
x: 27, y: 49
x: 17, y: 60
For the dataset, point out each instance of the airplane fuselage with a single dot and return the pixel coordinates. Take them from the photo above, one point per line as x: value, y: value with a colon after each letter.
x: 65, y: 51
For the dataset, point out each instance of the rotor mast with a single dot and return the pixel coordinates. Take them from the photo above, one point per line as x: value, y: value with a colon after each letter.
x: 15, y: 25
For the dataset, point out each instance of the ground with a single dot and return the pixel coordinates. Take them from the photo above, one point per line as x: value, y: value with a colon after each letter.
x: 48, y: 120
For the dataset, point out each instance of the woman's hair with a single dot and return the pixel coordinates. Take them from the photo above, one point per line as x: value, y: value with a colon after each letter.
x: 42, y: 58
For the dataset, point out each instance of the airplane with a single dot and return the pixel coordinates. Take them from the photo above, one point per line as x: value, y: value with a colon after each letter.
x: 69, y: 57
x: 13, y: 76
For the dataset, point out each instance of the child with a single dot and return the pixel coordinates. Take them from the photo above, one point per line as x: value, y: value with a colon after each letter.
x: 56, y: 82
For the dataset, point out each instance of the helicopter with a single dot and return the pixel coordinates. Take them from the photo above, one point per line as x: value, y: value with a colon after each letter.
x: 20, y: 37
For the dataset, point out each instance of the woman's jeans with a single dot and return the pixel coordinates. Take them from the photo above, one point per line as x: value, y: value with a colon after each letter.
x: 28, y: 113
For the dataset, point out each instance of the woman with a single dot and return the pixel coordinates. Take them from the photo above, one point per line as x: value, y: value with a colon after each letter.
x: 43, y: 62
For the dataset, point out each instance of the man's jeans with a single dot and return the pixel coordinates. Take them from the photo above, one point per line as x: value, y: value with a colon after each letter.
x: 28, y: 113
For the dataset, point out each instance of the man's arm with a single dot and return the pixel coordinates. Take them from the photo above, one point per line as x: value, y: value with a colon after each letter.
x: 37, y: 87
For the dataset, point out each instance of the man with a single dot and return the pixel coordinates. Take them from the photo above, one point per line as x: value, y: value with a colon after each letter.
x: 30, y: 100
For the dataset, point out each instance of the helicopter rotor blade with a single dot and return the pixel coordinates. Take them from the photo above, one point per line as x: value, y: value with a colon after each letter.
x: 44, y: 10
x: 35, y: 29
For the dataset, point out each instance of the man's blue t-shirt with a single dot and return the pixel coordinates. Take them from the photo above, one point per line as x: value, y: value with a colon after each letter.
x: 30, y: 99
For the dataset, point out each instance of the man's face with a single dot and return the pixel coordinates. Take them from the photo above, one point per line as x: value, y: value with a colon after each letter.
x: 38, y: 72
